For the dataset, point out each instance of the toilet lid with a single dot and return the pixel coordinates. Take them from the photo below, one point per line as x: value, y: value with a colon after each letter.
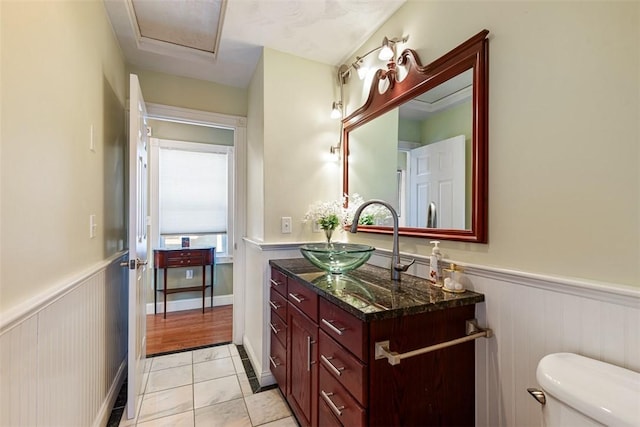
x: 607, y: 393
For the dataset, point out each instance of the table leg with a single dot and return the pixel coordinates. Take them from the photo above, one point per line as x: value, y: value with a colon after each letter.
x: 164, y: 293
x: 204, y: 274
x: 212, y: 277
x: 155, y: 290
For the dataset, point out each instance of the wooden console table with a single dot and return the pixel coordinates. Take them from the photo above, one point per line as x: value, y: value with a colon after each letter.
x: 181, y: 258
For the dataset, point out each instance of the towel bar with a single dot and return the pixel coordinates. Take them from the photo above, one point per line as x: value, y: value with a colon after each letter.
x: 473, y: 332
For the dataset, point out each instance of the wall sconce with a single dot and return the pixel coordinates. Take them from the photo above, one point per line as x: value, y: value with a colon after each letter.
x: 387, y: 53
x: 336, y: 110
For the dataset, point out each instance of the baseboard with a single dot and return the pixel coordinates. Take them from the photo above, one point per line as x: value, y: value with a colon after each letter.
x: 191, y: 303
x: 105, y: 410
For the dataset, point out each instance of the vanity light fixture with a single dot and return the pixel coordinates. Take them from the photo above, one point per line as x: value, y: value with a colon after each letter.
x: 336, y: 110
x: 387, y: 53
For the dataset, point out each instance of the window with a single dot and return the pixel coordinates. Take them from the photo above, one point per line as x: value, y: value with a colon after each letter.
x: 195, y: 194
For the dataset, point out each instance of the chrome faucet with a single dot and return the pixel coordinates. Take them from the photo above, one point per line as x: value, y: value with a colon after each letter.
x: 396, y: 266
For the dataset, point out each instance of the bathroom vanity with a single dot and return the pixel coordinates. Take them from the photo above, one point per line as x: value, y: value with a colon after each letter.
x: 326, y: 335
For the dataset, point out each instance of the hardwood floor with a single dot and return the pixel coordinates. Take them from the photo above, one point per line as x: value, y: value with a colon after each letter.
x: 182, y: 330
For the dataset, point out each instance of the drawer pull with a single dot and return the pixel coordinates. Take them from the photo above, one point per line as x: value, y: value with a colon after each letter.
x: 274, y: 329
x: 296, y: 298
x: 309, y: 362
x: 275, y: 282
x: 273, y: 362
x: 335, y: 329
x: 334, y: 368
x: 274, y: 305
x: 327, y: 398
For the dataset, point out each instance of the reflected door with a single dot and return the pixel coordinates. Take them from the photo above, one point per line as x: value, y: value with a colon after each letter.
x: 437, y: 178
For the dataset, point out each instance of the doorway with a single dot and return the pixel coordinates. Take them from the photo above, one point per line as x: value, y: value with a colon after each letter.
x: 186, y: 326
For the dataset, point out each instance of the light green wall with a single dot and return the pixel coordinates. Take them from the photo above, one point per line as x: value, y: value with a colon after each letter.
x: 372, y: 149
x: 190, y: 133
x: 166, y: 89
x: 410, y: 130
x: 448, y: 123
x: 62, y: 73
x: 298, y: 132
x: 255, y: 154
x: 564, y: 162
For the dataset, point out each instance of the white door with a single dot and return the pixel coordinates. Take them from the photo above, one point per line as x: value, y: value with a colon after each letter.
x: 437, y: 178
x: 138, y: 208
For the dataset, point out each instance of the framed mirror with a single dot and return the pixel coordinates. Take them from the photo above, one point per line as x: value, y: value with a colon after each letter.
x: 420, y: 142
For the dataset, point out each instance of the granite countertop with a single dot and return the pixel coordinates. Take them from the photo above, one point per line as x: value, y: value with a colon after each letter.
x: 369, y: 293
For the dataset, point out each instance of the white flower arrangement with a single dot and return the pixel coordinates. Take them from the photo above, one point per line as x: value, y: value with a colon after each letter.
x: 330, y: 215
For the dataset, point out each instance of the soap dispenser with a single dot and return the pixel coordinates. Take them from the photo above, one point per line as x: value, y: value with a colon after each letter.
x: 435, y: 274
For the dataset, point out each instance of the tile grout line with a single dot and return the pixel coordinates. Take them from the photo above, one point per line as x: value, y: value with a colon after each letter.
x: 118, y: 411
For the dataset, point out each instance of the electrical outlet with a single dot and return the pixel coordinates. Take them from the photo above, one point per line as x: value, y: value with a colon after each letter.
x: 189, y: 274
x: 285, y: 224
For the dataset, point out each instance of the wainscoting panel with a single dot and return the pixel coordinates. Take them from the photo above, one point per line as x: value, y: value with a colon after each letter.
x: 18, y: 367
x: 62, y: 364
x: 533, y: 318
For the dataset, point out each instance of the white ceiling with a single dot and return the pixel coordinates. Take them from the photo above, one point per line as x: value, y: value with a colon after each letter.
x: 180, y: 36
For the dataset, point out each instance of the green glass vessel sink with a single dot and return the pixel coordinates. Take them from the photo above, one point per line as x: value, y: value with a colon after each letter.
x: 337, y: 258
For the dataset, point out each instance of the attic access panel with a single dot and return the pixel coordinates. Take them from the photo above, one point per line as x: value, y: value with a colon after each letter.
x: 191, y: 24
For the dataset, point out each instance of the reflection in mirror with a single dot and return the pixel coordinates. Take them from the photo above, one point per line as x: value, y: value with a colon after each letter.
x: 422, y: 146
x: 430, y: 135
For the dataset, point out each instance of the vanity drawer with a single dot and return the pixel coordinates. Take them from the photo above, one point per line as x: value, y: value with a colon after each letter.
x: 278, y: 328
x: 346, y: 329
x: 344, y: 367
x: 278, y: 304
x: 279, y: 282
x: 185, y: 260
x: 339, y: 401
x: 303, y: 298
x: 278, y: 363
x: 326, y: 418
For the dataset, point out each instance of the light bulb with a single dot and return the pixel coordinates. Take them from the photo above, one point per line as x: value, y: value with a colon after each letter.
x: 386, y: 53
x: 335, y: 110
x: 362, y: 72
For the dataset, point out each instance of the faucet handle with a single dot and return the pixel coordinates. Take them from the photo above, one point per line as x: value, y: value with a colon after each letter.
x: 404, y: 267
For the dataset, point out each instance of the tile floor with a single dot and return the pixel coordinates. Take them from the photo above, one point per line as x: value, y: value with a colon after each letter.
x: 211, y: 386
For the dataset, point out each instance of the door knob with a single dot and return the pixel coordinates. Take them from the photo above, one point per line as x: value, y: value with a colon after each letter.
x: 133, y: 263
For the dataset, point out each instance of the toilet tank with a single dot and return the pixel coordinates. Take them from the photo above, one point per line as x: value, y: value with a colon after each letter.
x: 580, y: 391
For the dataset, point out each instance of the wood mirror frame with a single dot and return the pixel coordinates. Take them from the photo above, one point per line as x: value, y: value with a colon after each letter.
x: 472, y: 54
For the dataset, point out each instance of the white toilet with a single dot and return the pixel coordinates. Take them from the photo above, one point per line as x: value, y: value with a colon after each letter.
x: 578, y: 391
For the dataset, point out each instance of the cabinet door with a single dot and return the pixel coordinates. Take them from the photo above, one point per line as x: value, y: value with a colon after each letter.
x: 303, y: 369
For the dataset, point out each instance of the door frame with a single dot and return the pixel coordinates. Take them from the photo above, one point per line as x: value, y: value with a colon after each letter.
x: 239, y: 126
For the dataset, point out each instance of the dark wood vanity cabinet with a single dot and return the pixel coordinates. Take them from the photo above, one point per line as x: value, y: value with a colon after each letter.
x: 278, y: 325
x: 333, y: 379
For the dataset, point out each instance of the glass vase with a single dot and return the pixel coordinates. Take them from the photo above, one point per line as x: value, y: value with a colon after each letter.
x: 328, y: 232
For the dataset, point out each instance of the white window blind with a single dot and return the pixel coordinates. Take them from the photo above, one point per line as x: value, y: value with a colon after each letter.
x: 193, y: 191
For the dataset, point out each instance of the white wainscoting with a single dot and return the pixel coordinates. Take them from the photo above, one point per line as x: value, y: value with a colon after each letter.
x: 531, y: 315
x: 63, y: 358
